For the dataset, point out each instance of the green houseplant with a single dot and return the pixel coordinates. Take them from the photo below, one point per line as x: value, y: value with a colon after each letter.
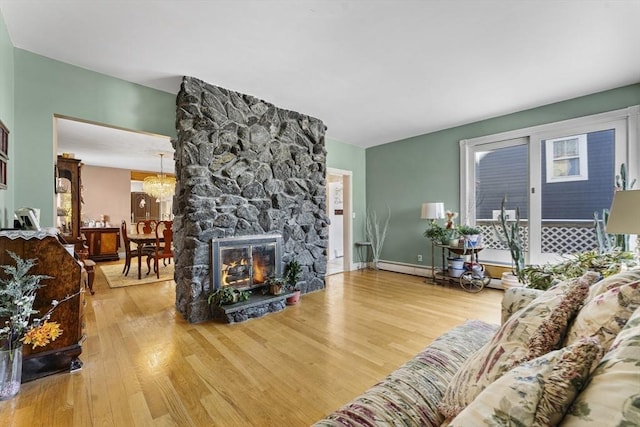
x: 228, y: 295
x: 509, y: 234
x: 437, y: 233
x: 470, y: 234
x: 292, y: 273
x: 544, y: 276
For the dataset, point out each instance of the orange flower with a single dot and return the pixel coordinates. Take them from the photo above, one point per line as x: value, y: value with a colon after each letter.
x: 39, y: 336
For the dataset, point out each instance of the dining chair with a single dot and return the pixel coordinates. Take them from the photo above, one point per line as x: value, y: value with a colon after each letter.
x: 164, y: 246
x: 146, y: 226
x: 132, y: 253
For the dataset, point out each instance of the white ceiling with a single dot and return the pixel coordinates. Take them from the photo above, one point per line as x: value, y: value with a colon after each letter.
x: 114, y: 148
x: 373, y: 71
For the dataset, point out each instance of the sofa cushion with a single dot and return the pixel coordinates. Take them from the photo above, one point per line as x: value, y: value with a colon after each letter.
x: 614, y: 281
x: 510, y: 345
x: 516, y: 298
x: 612, y: 396
x: 536, y: 393
x: 605, y: 314
x: 409, y: 395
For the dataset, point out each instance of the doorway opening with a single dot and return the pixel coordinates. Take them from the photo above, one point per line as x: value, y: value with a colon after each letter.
x: 339, y: 211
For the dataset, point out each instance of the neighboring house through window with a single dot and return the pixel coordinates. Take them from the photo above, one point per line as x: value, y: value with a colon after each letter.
x: 567, y: 159
x: 556, y: 175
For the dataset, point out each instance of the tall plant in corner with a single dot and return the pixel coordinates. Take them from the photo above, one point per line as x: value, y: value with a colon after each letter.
x: 376, y: 235
x: 510, y: 236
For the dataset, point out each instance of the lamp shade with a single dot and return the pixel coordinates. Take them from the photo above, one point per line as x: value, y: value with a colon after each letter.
x: 432, y: 210
x: 624, y: 215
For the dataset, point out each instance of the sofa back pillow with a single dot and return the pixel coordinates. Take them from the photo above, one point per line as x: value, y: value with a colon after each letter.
x: 605, y: 315
x: 614, y: 281
x: 536, y: 393
x: 512, y: 345
x: 612, y: 396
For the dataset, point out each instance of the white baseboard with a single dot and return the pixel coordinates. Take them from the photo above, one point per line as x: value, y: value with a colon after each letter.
x: 422, y: 271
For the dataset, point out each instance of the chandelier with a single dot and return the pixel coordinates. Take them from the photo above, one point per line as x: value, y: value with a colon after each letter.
x: 160, y: 186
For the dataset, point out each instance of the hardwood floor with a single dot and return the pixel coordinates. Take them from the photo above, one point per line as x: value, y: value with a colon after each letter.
x: 145, y: 366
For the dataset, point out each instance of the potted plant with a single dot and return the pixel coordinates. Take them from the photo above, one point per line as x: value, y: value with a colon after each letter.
x: 544, y: 276
x: 292, y: 273
x: 470, y: 234
x: 511, y: 237
x: 437, y: 233
x: 276, y: 285
x: 228, y: 295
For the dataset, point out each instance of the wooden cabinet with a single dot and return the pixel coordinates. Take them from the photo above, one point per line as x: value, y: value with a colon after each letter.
x: 144, y: 206
x: 66, y: 278
x: 103, y: 243
x: 69, y: 199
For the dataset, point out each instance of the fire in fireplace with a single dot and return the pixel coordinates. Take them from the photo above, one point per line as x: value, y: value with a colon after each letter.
x: 246, y: 262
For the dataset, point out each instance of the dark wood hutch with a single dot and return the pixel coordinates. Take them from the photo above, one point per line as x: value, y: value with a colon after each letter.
x: 69, y: 200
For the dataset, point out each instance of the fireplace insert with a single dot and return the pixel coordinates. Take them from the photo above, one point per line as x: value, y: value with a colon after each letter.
x: 246, y: 262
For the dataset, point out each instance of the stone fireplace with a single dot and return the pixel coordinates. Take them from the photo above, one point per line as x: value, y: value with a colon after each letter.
x: 244, y: 168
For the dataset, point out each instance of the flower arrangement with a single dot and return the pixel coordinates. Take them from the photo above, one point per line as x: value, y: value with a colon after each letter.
x: 17, y: 295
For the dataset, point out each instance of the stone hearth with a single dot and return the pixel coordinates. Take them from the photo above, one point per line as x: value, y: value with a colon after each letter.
x: 244, y: 167
x: 257, y: 306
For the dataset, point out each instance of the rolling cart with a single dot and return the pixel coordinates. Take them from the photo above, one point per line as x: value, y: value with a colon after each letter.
x: 472, y: 279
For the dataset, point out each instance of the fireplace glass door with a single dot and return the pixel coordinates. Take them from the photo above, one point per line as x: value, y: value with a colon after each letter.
x: 246, y: 263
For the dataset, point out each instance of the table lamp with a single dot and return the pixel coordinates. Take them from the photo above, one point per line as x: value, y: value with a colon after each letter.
x: 624, y: 214
x: 432, y: 211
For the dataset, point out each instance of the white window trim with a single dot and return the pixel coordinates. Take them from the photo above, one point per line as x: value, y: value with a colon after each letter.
x: 582, y: 157
x: 630, y: 117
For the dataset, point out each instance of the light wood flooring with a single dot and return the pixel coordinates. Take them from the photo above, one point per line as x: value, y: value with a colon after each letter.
x: 146, y: 366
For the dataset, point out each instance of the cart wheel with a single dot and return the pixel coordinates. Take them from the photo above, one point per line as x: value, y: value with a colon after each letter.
x: 471, y: 282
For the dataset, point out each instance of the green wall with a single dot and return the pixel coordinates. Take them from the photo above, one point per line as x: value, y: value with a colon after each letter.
x: 6, y: 116
x: 44, y: 87
x: 404, y: 174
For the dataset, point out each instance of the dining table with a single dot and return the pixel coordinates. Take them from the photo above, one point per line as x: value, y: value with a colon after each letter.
x: 140, y: 240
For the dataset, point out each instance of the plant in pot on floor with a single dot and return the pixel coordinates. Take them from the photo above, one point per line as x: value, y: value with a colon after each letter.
x: 510, y: 236
x: 292, y: 272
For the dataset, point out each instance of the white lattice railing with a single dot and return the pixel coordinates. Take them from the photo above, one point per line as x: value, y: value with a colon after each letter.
x: 557, y: 237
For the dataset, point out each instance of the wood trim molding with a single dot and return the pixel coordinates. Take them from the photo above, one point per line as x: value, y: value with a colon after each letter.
x: 141, y: 175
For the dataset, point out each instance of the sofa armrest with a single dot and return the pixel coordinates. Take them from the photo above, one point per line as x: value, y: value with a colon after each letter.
x: 516, y: 298
x: 409, y: 395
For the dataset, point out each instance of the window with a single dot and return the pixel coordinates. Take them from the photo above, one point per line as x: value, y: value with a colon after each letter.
x: 557, y: 175
x: 567, y: 159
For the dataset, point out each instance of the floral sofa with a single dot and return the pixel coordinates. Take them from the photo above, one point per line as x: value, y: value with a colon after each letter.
x: 568, y: 356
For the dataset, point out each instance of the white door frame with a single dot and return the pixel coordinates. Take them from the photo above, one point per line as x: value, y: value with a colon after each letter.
x: 347, y: 238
